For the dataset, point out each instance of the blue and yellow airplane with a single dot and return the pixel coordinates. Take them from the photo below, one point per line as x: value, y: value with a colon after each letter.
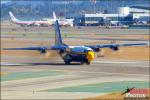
x: 82, y: 54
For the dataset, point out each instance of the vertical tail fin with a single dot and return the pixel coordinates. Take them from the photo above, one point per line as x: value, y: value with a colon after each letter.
x: 54, y: 16
x: 58, y: 39
x: 13, y: 18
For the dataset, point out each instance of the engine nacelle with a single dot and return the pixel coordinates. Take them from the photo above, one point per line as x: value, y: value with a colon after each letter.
x: 97, y: 49
x: 115, y: 48
x: 42, y: 51
x: 61, y: 51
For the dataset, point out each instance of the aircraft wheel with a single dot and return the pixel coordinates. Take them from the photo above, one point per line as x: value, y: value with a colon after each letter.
x: 67, y: 62
x: 87, y: 62
x: 82, y: 63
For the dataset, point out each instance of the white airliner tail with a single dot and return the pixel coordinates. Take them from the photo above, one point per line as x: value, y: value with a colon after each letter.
x: 64, y: 21
x: 54, y: 16
x: 13, y: 18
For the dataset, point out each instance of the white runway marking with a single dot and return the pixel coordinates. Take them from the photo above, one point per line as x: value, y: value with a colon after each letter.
x: 11, y: 64
x: 131, y: 63
x: 142, y: 64
x: 115, y: 62
x: 110, y: 73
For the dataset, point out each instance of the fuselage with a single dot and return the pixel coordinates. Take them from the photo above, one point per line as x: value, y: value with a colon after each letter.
x: 63, y: 22
x: 78, y: 54
x: 23, y: 22
x: 66, y: 22
x: 31, y: 23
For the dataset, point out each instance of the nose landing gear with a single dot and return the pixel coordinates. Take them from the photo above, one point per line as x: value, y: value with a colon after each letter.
x: 85, y: 61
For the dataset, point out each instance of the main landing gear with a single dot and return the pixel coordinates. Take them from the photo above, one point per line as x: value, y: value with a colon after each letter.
x: 67, y: 62
x: 68, y: 59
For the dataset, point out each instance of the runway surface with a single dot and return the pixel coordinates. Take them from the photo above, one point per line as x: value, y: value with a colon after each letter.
x: 39, y: 83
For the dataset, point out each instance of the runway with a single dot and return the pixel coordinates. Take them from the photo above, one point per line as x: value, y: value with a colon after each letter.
x: 100, y: 71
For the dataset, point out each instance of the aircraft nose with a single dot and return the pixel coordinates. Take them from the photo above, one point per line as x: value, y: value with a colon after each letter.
x: 90, y: 55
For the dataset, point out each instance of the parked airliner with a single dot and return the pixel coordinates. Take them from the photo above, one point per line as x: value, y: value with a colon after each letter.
x: 29, y: 23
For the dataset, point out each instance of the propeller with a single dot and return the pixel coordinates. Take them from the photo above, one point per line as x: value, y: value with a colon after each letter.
x: 101, y: 53
x: 48, y: 54
x: 115, y: 48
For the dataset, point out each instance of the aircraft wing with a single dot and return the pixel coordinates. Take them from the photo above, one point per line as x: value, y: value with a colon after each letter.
x: 42, y: 49
x: 26, y: 48
x: 113, y: 46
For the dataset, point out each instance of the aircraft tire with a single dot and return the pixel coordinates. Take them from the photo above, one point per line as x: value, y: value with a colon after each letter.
x: 67, y: 62
x: 87, y: 62
x: 82, y: 63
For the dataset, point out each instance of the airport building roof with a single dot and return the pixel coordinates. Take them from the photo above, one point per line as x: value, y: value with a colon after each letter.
x: 140, y: 7
x: 104, y: 15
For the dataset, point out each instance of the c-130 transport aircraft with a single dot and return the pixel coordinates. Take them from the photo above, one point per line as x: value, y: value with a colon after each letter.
x: 80, y: 53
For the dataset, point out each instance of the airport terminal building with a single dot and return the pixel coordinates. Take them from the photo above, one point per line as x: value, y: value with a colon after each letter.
x: 125, y: 16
